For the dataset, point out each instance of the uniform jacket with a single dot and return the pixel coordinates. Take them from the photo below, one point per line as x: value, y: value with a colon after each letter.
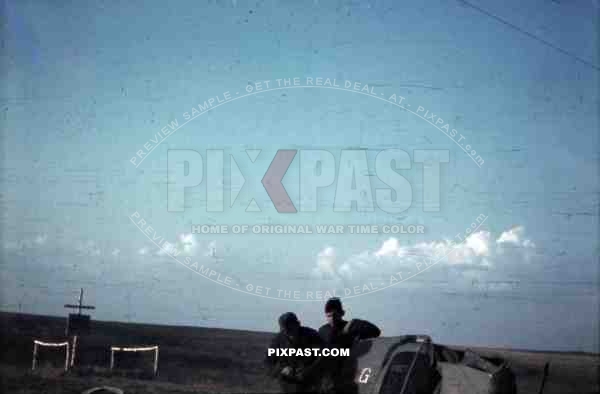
x: 345, y: 333
x: 307, y: 339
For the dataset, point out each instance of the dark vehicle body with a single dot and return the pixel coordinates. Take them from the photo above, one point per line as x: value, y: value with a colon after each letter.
x: 415, y: 365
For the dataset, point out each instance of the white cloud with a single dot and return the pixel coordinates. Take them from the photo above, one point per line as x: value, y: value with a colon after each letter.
x: 184, y: 245
x: 85, y: 249
x: 514, y: 236
x: 326, y: 264
x: 25, y: 244
x: 510, y: 236
x: 513, y: 246
x: 88, y: 248
x: 41, y: 239
x: 391, y: 247
x: 477, y: 254
x: 479, y: 243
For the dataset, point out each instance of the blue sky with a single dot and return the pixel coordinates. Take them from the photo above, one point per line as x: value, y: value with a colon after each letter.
x: 88, y: 84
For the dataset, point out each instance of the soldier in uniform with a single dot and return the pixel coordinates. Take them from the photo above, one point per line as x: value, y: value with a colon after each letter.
x: 295, y: 373
x: 341, y: 334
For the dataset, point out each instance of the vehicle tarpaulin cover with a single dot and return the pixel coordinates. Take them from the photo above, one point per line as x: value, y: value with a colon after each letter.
x: 414, y: 365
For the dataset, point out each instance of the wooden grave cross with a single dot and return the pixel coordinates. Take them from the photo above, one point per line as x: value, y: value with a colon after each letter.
x: 77, y: 323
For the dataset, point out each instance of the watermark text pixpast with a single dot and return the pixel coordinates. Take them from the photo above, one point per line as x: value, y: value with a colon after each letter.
x: 344, y: 180
x: 308, y: 352
x: 355, y: 87
x: 317, y: 171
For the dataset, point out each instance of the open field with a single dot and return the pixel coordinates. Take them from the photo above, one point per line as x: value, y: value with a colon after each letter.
x: 206, y: 360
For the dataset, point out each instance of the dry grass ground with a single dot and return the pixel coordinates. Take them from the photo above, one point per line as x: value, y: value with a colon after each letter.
x: 204, y: 360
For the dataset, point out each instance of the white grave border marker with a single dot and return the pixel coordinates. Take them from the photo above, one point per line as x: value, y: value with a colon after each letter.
x: 114, y: 349
x: 36, y: 345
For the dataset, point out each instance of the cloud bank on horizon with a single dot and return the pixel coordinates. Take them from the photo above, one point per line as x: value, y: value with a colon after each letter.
x: 185, y: 244
x: 481, y: 258
x: 478, y: 252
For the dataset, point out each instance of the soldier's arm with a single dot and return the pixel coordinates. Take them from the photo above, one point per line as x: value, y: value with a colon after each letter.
x: 316, y: 362
x: 272, y: 362
x: 325, y: 335
x: 316, y: 340
x: 363, y: 329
